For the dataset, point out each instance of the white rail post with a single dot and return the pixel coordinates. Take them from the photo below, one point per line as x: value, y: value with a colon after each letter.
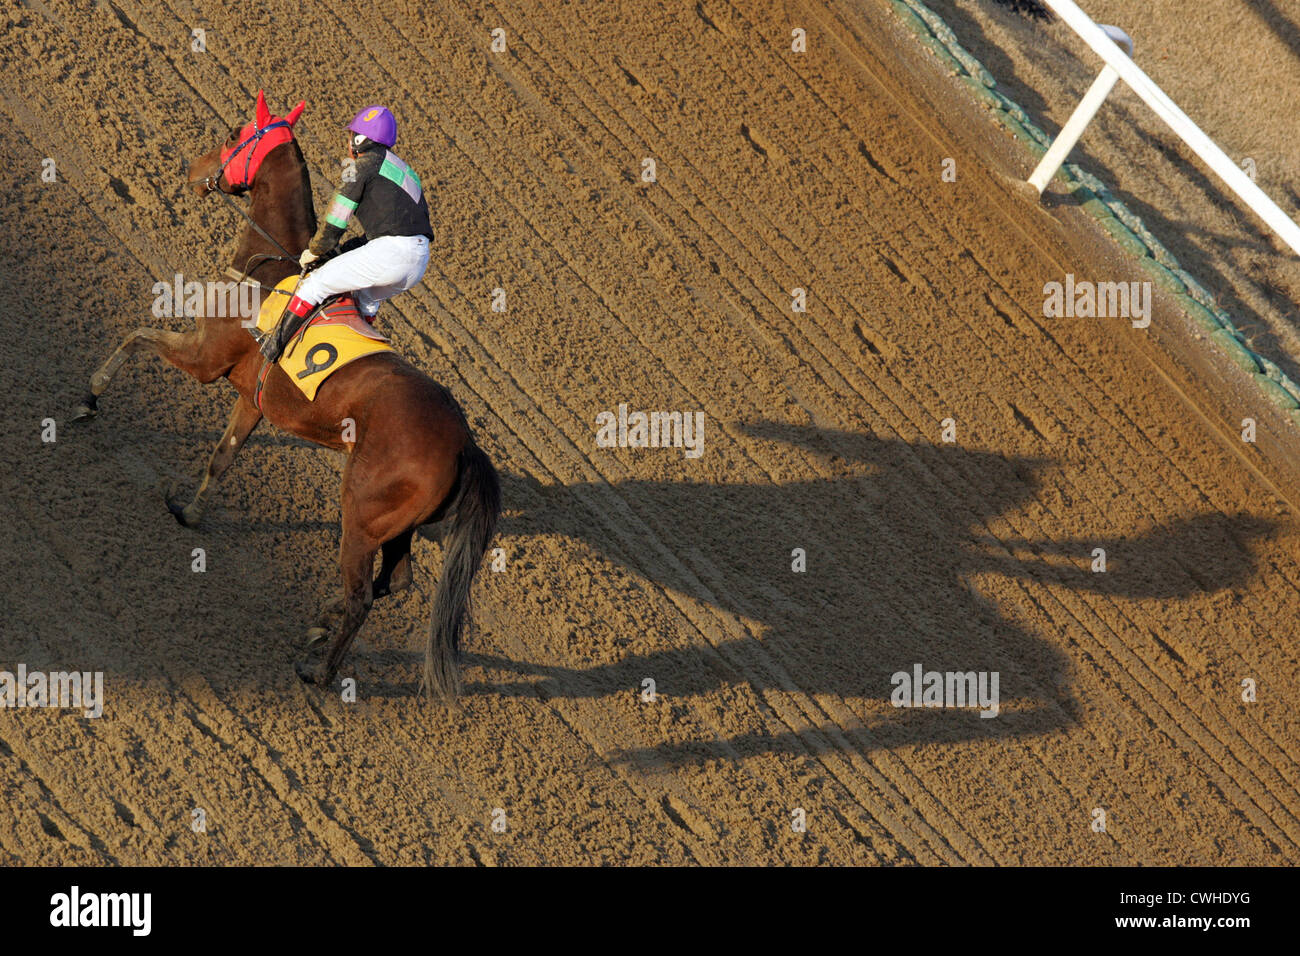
x: 1081, y: 117
x: 1168, y: 110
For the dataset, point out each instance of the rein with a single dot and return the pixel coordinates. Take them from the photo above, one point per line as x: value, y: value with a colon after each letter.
x: 262, y: 232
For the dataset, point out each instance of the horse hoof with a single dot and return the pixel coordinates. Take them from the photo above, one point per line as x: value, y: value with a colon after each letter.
x: 185, y: 514
x: 305, y: 673
x: 178, y: 512
x: 86, y: 410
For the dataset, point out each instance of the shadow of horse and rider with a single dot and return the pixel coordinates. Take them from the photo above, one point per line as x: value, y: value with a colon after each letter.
x: 899, y: 568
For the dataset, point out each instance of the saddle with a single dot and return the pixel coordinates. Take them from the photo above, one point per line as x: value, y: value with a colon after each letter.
x: 336, y: 310
x: 334, y: 335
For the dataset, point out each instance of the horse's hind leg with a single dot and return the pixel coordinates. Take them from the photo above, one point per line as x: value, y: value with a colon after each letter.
x: 185, y: 350
x: 243, y: 419
x: 395, y: 571
x: 394, y: 575
x: 357, y: 556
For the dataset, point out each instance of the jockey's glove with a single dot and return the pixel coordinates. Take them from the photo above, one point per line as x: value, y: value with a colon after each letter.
x: 307, y: 258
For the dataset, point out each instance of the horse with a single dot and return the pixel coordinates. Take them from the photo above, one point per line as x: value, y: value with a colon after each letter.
x: 412, y: 459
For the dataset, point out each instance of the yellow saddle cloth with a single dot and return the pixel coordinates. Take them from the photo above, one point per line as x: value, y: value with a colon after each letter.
x: 337, y: 336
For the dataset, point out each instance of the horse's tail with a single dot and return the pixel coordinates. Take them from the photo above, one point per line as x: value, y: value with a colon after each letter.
x: 473, y: 522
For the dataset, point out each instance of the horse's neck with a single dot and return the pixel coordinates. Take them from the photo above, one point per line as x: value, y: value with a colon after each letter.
x: 280, y: 202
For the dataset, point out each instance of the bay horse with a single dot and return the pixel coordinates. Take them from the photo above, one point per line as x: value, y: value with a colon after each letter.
x: 411, y: 458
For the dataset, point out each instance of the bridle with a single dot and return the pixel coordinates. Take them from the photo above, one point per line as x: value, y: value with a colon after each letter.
x: 212, y: 182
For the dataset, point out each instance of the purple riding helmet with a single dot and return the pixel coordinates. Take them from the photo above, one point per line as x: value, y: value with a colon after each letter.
x: 376, y: 123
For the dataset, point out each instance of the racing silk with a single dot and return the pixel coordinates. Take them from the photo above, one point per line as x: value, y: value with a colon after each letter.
x: 386, y: 198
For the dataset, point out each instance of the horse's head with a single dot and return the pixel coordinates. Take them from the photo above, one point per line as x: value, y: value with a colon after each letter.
x: 232, y: 166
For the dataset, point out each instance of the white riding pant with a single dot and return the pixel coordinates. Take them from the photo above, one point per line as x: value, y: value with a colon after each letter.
x: 376, y: 271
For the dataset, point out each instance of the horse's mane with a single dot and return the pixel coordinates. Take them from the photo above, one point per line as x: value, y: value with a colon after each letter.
x: 306, y: 185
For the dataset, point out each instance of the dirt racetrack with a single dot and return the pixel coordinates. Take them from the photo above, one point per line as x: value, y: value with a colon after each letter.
x: 1120, y: 691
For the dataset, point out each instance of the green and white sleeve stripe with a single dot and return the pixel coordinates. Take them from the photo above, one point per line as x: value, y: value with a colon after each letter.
x: 340, y: 211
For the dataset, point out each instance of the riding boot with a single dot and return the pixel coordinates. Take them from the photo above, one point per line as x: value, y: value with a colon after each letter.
x: 291, y: 319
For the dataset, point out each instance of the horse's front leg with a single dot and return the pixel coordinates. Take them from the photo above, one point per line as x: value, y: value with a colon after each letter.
x: 185, y: 350
x: 243, y: 419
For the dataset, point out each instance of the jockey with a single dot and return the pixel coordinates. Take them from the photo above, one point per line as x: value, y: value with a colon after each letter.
x: 388, y: 201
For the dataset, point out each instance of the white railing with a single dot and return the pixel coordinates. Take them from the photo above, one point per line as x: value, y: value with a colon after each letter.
x: 1121, y: 66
